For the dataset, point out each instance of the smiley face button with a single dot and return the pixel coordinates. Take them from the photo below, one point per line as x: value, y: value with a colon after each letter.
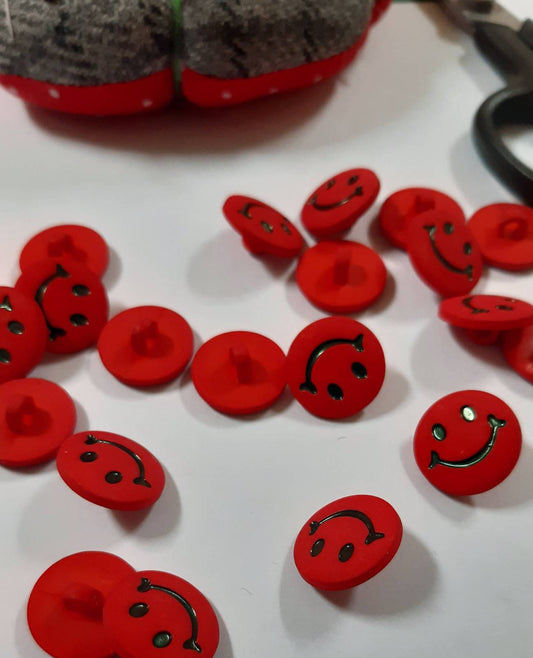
x: 334, y: 206
x: 110, y: 470
x: 335, y: 367
x: 347, y: 542
x: 486, y: 312
x: 263, y: 229
x: 467, y: 442
x: 444, y: 253
x: 152, y: 614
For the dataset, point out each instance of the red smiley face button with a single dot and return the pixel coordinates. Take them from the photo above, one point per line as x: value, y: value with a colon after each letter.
x: 36, y: 416
x: 335, y: 367
x: 518, y: 350
x: 145, y: 346
x: 347, y: 542
x: 263, y: 229
x: 110, y: 470
x: 467, y: 442
x: 152, y: 614
x: 334, y: 206
x: 444, y: 253
x: 342, y: 276
x: 66, y: 605
x: 486, y: 312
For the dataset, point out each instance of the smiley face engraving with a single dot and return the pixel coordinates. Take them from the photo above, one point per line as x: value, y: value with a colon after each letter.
x: 357, y: 191
x: 113, y: 477
x: 467, y: 249
x: 486, y: 312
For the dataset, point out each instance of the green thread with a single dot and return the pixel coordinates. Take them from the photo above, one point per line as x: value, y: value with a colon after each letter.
x: 177, y: 49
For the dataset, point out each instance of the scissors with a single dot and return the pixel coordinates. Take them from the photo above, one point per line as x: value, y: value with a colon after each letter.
x: 508, y: 44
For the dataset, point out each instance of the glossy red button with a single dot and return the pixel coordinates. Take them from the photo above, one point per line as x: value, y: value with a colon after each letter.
x: 146, y: 345
x: 152, y: 614
x: 341, y: 276
x: 70, y: 241
x: 444, y: 253
x: 334, y: 206
x: 401, y: 207
x: 335, y: 367
x: 467, y: 442
x: 23, y: 334
x: 263, y: 229
x: 36, y: 416
x: 486, y: 312
x: 518, y: 350
x: 66, y: 603
x: 239, y: 372
x: 347, y: 542
x: 110, y: 470
x: 504, y: 233
x: 73, y: 301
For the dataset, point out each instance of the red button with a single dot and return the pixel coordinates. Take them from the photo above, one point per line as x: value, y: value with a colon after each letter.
x: 335, y: 367
x: 334, y: 206
x: 518, y: 350
x: 23, y: 334
x: 73, y: 301
x: 66, y: 603
x: 401, y: 207
x: 110, y: 470
x: 239, y: 372
x: 152, y: 614
x: 36, y: 416
x: 444, y: 253
x: 70, y: 241
x: 504, y: 233
x: 145, y: 346
x: 486, y: 312
x: 347, y: 542
x: 342, y: 276
x: 467, y: 442
x: 263, y: 229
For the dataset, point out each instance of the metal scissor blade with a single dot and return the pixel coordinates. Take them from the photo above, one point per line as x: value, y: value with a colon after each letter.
x: 468, y: 13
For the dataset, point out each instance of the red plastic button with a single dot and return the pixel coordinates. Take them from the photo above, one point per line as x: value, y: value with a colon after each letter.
x: 347, y: 542
x: 36, y: 416
x: 342, y: 276
x: 467, y: 442
x: 486, y: 312
x: 504, y: 233
x: 23, y: 334
x: 152, y: 614
x: 145, y: 346
x: 239, y: 372
x: 518, y: 350
x: 263, y: 229
x: 443, y: 253
x: 110, y: 470
x: 66, y: 603
x: 70, y: 241
x: 335, y: 206
x: 335, y: 367
x: 73, y: 301
x: 401, y: 207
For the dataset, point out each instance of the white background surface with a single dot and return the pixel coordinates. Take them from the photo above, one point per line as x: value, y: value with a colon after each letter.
x: 239, y: 489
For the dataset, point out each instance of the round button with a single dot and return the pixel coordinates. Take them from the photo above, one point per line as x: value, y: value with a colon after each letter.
x: 518, y: 350
x: 335, y: 206
x: 486, y: 312
x: 342, y: 276
x: 239, y: 372
x: 66, y: 604
x: 399, y: 209
x: 23, y: 334
x: 110, y: 470
x: 335, y: 367
x: 67, y: 241
x: 72, y: 299
x: 145, y: 346
x: 504, y: 233
x: 467, y: 442
x: 36, y: 416
x: 151, y: 614
x: 443, y: 253
x: 263, y: 229
x: 347, y: 542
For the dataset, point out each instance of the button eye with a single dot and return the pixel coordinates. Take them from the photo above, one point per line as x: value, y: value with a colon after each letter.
x: 468, y: 414
x: 439, y: 432
x: 317, y: 547
x: 448, y: 228
x: 467, y: 248
x: 346, y: 552
x: 359, y: 370
x: 335, y: 392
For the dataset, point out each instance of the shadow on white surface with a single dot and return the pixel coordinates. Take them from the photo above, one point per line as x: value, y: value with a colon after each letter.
x: 8, y: 474
x: 114, y: 270
x: 59, y: 368
x: 224, y: 645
